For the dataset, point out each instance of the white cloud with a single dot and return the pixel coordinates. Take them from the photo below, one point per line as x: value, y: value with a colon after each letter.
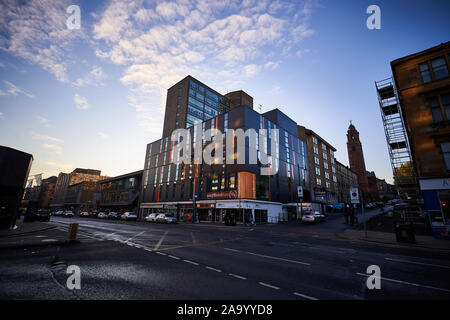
x: 95, y: 78
x: 80, y: 102
x: 103, y: 135
x: 271, y: 65
x: 37, y: 136
x: 36, y: 31
x: 13, y: 90
x: 162, y: 43
x: 275, y: 89
x: 57, y: 149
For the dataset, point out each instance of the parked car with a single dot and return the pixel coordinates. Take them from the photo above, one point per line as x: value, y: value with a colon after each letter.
x: 129, y: 216
x: 58, y: 213
x: 313, y: 217
x: 93, y: 214
x: 68, y: 214
x: 37, y: 215
x: 102, y: 215
x: 114, y: 215
x: 166, y: 218
x: 151, y: 217
x: 84, y: 214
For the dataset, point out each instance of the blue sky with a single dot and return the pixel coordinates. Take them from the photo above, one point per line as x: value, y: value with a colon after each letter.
x: 94, y: 97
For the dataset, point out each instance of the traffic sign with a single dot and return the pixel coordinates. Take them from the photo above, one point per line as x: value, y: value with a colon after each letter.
x: 354, y: 195
x: 300, y: 191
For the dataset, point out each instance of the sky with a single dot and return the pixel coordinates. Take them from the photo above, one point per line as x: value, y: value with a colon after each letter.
x: 93, y: 97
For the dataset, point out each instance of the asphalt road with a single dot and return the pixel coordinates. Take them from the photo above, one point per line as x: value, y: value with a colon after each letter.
x: 137, y: 260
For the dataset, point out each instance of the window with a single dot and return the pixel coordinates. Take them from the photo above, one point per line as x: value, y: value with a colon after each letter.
x: 334, y: 178
x: 318, y: 171
x: 327, y: 175
x: 328, y: 184
x: 325, y: 165
x: 316, y: 160
x: 446, y: 104
x: 318, y: 181
x: 435, y: 109
x: 445, y: 146
x: 439, y: 68
x: 232, y: 181
x: 324, y: 147
x: 316, y: 150
x: 314, y: 140
x: 425, y: 72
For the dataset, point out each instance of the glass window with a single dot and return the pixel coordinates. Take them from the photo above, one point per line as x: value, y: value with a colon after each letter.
x: 446, y: 104
x: 439, y: 68
x: 325, y: 156
x: 425, y: 72
x: 196, y: 103
x: 318, y: 171
x: 316, y: 160
x: 324, y: 147
x: 445, y: 146
x: 435, y: 109
x: 325, y: 165
x: 318, y: 181
x: 314, y: 140
x: 316, y: 150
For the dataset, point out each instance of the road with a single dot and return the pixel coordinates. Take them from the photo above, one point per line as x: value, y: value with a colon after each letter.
x: 137, y: 260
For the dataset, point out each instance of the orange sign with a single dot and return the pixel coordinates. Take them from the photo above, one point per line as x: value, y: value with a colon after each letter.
x: 246, y: 185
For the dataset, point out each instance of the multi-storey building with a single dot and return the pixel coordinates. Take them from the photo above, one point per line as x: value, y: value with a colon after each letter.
x: 422, y: 88
x: 121, y: 193
x: 346, y: 179
x: 67, y: 179
x: 356, y: 158
x: 80, y: 196
x: 190, y: 102
x: 322, y: 166
x: 226, y: 189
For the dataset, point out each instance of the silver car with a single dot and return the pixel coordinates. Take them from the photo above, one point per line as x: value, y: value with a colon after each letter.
x: 68, y: 214
x: 151, y: 217
x: 129, y: 216
x: 313, y: 217
x: 166, y: 218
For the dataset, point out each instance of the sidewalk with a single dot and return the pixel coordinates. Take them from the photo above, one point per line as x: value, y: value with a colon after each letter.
x: 423, y: 242
x: 25, y: 228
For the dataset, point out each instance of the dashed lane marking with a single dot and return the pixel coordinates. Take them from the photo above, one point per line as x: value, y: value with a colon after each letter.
x: 213, y: 269
x: 269, y: 285
x: 173, y: 257
x: 305, y: 296
x: 408, y: 283
x: 237, y: 276
x: 418, y: 263
x: 191, y: 262
x: 270, y: 257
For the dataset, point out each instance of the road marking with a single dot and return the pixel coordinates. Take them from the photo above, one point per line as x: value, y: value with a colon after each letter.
x: 237, y: 276
x: 409, y: 283
x: 213, y: 269
x: 198, y: 244
x: 161, y: 240
x: 147, y: 249
x: 136, y: 235
x: 229, y: 249
x: 270, y: 257
x: 419, y: 263
x: 191, y: 262
x: 161, y: 253
x: 194, y: 241
x: 173, y: 257
x: 49, y: 240
x: 304, y: 296
x: 269, y: 286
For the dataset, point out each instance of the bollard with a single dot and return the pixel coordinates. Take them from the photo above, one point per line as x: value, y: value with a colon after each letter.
x: 73, y: 228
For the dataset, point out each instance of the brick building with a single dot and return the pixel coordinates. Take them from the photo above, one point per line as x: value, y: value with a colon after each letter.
x: 356, y: 157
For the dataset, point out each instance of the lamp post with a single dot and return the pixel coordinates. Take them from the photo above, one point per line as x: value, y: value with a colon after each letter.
x: 194, y: 211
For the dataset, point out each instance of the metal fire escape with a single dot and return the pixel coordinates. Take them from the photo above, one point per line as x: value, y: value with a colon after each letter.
x: 397, y: 139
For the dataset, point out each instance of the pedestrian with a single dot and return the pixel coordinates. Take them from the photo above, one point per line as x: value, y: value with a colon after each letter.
x: 346, y: 212
x: 352, y: 216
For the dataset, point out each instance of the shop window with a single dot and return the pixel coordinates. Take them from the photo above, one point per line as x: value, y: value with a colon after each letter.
x: 232, y: 182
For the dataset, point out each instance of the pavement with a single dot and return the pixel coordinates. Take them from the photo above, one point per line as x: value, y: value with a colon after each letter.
x: 25, y: 228
x: 137, y: 260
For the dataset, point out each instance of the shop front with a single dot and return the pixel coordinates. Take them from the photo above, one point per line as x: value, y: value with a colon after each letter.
x: 436, y: 194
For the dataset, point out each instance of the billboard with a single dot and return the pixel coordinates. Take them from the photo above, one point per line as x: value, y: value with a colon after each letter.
x: 246, y: 185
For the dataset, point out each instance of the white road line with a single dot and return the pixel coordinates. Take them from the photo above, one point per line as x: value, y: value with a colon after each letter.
x: 269, y: 286
x: 419, y: 263
x: 213, y: 269
x: 229, y: 249
x: 173, y: 257
x: 147, y: 249
x: 237, y: 276
x: 409, y: 283
x: 161, y: 253
x: 136, y: 235
x: 191, y: 262
x: 270, y: 257
x: 305, y: 296
x: 161, y: 240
